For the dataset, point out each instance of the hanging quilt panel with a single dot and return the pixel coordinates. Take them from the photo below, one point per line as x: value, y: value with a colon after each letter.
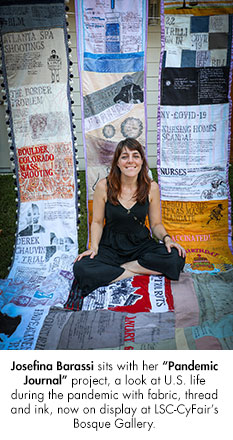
x: 194, y: 130
x: 111, y: 52
x: 35, y: 69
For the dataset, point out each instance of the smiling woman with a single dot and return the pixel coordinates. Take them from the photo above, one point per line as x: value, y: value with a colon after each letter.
x: 130, y: 161
x: 122, y: 245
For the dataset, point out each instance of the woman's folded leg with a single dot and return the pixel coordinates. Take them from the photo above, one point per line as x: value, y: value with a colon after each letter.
x: 92, y: 273
x: 160, y: 260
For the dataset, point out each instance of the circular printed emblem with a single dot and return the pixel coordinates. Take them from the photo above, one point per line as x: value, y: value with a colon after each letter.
x: 109, y: 131
x: 132, y: 127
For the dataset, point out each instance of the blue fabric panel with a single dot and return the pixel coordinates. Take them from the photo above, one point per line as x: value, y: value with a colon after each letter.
x: 26, y: 17
x: 29, y: 2
x: 199, y: 24
x: 114, y: 63
x: 164, y: 59
x: 219, y: 329
x: 108, y: 56
x: 113, y: 46
x: 188, y: 58
x: 229, y: 41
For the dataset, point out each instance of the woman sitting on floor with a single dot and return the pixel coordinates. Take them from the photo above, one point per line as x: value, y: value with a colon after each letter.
x: 123, y: 246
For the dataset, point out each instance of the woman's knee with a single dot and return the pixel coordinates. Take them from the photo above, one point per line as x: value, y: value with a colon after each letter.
x: 177, y: 263
x: 175, y: 255
x: 80, y: 267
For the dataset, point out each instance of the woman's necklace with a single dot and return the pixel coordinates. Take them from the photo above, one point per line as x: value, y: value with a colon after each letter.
x: 125, y: 199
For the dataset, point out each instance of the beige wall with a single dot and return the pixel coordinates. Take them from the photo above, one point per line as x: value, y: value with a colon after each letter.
x: 153, y: 55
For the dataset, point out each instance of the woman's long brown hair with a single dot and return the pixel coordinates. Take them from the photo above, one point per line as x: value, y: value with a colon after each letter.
x: 114, y: 177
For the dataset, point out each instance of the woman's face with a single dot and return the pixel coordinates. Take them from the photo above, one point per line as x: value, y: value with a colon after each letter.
x: 130, y: 162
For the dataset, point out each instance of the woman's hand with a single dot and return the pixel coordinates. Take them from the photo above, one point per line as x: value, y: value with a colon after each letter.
x: 169, y: 243
x: 91, y: 252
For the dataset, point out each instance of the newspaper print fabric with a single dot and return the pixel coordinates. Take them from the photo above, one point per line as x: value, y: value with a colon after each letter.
x: 195, y: 324
x: 25, y: 305
x: 133, y: 295
x: 35, y: 64
x: 111, y: 53
x: 192, y: 41
x: 35, y: 67
x: 67, y: 330
x: 194, y: 131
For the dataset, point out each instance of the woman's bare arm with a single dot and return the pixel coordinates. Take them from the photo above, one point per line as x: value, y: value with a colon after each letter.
x: 99, y: 200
